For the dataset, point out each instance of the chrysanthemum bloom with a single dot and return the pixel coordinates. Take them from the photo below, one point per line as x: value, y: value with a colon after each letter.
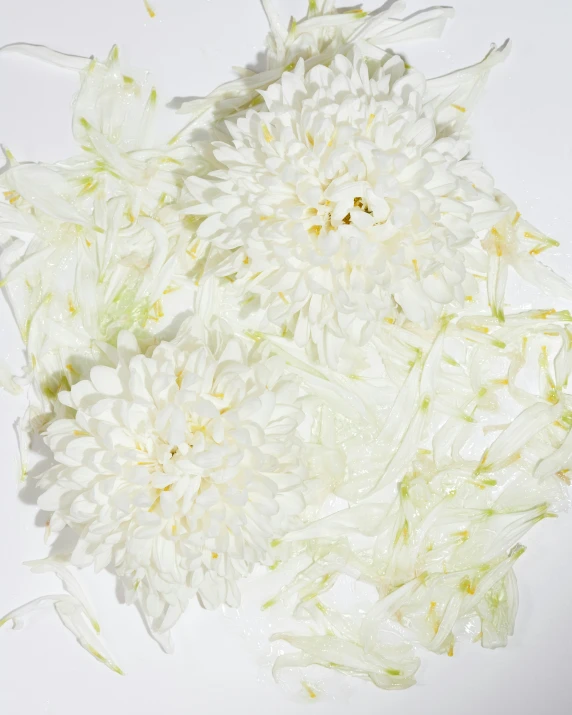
x: 178, y: 467
x: 343, y: 199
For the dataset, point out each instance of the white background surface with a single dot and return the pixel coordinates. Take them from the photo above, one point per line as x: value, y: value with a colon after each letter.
x: 523, y: 133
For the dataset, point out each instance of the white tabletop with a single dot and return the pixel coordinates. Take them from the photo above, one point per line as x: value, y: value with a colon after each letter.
x: 522, y: 131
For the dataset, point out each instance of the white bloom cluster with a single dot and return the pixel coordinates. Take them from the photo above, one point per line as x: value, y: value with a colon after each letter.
x: 343, y: 200
x: 178, y: 467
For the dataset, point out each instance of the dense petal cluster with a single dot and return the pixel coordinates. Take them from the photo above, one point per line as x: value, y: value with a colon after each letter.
x: 468, y: 457
x: 338, y: 203
x: 178, y: 467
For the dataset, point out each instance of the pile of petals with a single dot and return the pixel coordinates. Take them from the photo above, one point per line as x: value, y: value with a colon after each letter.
x: 280, y: 338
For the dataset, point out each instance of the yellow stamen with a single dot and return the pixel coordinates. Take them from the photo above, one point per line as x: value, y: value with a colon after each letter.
x: 266, y: 132
x: 482, y: 463
x: 537, y: 250
x: 12, y: 196
x: 467, y: 586
x: 149, y: 9
x: 158, y: 308
x: 459, y: 108
x: 498, y: 241
x: 308, y: 689
x: 463, y: 535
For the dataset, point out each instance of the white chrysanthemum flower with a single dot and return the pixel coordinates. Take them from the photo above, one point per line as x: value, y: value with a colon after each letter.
x: 178, y: 468
x: 343, y: 200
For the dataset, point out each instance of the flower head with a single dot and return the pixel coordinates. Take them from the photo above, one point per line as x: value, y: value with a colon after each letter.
x: 178, y: 467
x: 341, y: 201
